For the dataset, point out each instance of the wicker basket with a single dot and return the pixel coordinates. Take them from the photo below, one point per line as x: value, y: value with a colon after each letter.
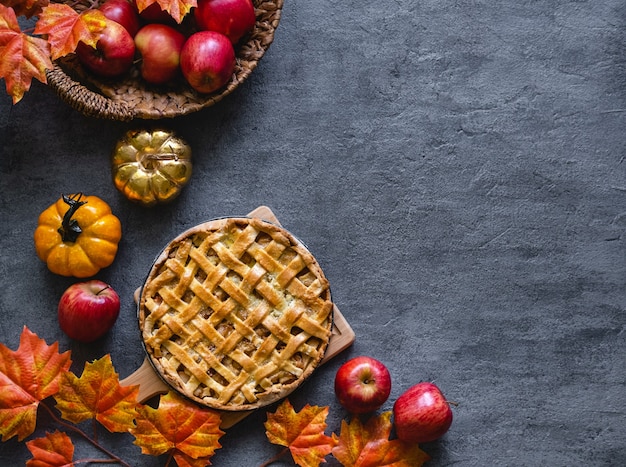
x: 130, y: 97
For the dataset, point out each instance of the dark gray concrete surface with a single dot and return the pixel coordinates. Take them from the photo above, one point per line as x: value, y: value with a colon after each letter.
x: 458, y: 170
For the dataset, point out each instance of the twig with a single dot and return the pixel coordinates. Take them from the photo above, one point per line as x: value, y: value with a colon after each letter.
x: 85, y: 436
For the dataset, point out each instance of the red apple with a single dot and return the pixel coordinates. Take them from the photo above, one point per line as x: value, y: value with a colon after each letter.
x: 362, y: 384
x: 422, y: 414
x: 233, y: 18
x: 114, y: 52
x: 87, y: 310
x: 207, y: 61
x: 122, y: 12
x: 159, y: 46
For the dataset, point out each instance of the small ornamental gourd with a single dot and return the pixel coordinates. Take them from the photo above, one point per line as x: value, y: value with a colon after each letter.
x: 77, y: 236
x: 151, y: 167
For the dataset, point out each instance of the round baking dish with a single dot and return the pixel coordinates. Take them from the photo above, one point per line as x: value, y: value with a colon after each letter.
x: 235, y: 313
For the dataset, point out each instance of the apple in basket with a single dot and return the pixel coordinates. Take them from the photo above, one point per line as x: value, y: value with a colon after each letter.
x: 114, y: 52
x: 122, y: 12
x: 160, y: 46
x: 233, y: 18
x: 207, y: 61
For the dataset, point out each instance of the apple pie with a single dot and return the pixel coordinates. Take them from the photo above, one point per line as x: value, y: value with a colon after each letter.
x: 235, y: 313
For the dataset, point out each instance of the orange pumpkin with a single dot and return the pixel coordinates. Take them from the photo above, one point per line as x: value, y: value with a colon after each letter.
x: 77, y: 236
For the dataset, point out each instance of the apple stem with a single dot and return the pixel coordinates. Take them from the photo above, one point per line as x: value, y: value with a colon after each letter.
x: 103, y: 289
x: 455, y: 404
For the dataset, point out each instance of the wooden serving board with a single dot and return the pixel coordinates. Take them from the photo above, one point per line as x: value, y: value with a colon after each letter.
x: 151, y: 384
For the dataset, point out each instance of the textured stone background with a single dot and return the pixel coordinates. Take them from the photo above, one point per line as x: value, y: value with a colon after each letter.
x: 458, y: 170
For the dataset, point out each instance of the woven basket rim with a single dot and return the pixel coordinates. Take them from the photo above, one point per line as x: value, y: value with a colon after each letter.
x: 130, y: 98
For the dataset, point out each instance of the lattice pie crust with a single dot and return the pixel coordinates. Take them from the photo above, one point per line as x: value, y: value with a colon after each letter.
x: 235, y: 313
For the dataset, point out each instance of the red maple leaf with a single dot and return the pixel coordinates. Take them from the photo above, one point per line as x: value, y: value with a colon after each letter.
x: 22, y: 57
x: 368, y: 445
x: 53, y: 450
x: 28, y: 376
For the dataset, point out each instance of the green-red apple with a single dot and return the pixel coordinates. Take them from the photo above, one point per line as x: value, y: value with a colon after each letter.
x: 159, y: 46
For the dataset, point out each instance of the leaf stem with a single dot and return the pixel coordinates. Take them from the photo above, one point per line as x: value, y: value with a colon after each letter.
x: 95, y: 461
x: 85, y: 436
x: 275, y: 458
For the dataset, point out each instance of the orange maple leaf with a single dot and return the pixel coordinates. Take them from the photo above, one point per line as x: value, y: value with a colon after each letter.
x: 28, y: 376
x: 22, y: 57
x: 369, y: 445
x: 97, y: 394
x: 176, y: 8
x: 302, y: 432
x: 54, y: 450
x: 179, y: 427
x: 65, y: 28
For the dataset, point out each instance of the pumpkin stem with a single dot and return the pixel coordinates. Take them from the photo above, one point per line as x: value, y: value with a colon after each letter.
x: 70, y: 230
x: 149, y: 161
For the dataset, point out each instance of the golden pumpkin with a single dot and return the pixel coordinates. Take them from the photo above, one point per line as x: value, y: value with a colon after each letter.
x: 77, y: 236
x: 151, y: 167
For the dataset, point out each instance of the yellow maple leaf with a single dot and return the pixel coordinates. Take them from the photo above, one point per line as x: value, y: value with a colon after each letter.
x: 302, y: 432
x: 368, y: 445
x: 179, y: 427
x: 97, y: 394
x: 177, y: 9
x: 28, y: 376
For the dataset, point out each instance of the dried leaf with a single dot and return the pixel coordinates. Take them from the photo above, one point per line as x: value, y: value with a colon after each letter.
x: 22, y: 57
x: 65, y: 28
x: 369, y: 445
x: 54, y: 450
x: 98, y: 394
x: 179, y: 426
x: 27, y: 8
x: 176, y: 8
x: 301, y: 432
x: 28, y: 376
